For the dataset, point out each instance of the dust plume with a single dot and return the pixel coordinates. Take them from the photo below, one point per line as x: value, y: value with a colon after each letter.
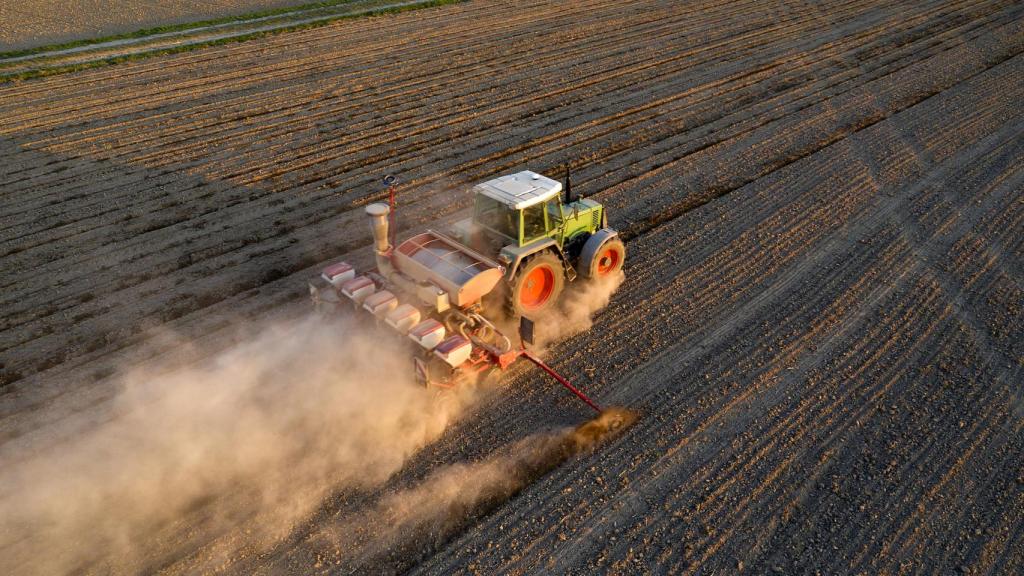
x: 575, y: 312
x: 232, y: 453
x: 408, y: 524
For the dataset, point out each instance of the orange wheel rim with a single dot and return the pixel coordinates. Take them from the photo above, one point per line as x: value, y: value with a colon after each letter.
x: 607, y: 262
x: 537, y: 287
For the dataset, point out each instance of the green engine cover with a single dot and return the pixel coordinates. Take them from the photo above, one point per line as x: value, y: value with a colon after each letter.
x: 570, y: 221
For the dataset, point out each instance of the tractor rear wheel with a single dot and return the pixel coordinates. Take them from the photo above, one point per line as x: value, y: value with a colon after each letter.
x: 537, y: 285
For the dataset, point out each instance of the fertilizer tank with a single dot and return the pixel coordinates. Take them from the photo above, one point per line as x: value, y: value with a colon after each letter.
x: 431, y: 258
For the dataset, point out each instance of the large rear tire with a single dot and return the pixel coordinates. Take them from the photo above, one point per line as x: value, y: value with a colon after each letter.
x: 537, y: 285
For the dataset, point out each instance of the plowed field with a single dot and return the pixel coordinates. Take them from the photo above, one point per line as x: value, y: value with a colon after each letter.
x: 822, y: 323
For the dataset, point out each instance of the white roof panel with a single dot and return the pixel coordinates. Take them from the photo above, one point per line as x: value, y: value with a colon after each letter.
x: 520, y: 190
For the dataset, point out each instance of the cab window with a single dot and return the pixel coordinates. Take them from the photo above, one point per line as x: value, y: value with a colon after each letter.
x: 496, y: 216
x: 554, y: 214
x: 533, y: 221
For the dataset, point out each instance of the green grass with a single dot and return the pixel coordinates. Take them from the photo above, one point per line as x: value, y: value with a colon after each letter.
x: 42, y: 72
x: 184, y: 27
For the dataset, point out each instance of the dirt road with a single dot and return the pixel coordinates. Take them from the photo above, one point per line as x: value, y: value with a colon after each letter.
x: 821, y: 324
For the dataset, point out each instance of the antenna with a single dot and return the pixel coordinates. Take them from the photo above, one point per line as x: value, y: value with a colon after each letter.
x: 391, y: 181
x: 568, y: 186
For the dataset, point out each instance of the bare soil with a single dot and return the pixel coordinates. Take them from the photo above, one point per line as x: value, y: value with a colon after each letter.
x: 821, y: 325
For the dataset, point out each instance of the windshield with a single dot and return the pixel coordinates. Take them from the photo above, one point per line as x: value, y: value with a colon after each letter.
x: 533, y: 222
x: 496, y: 216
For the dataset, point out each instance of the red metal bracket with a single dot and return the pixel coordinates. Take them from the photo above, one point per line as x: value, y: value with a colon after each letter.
x: 561, y: 379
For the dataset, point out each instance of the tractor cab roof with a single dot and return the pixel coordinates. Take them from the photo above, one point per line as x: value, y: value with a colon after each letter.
x: 520, y: 190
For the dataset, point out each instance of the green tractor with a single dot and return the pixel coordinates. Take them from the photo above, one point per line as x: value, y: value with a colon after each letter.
x: 540, y: 240
x: 517, y: 251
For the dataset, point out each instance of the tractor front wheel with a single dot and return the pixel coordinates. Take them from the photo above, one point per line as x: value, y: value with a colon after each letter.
x: 537, y: 285
x: 603, y: 259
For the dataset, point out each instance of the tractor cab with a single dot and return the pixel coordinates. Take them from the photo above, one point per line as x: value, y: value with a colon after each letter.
x: 525, y: 208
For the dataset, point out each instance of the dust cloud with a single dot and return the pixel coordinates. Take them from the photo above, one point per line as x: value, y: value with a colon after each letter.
x: 575, y: 312
x: 256, y: 438
x: 195, y: 467
x: 408, y: 524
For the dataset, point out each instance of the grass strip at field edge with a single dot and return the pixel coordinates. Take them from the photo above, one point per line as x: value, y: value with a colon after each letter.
x: 327, y: 19
x: 182, y: 27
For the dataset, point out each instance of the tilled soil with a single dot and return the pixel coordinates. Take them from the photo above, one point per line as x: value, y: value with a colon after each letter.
x: 821, y: 325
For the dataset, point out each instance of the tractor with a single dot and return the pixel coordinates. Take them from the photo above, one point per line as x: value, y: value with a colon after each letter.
x: 540, y: 241
x: 445, y: 291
